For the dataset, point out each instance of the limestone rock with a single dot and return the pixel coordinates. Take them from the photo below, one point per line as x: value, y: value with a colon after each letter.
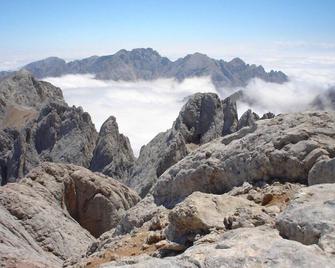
x: 244, y: 247
x: 203, y: 118
x: 247, y: 119
x: 21, y: 95
x: 144, y: 211
x: 159, y: 154
x: 309, y: 218
x: 37, y: 125
x: 322, y: 172
x: 112, y: 155
x: 52, y: 210
x: 283, y: 148
x: 200, y: 212
x: 59, y: 134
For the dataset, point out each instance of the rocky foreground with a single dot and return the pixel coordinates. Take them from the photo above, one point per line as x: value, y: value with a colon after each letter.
x: 212, y: 191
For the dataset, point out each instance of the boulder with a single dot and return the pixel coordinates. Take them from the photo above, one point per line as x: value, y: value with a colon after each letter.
x: 322, y: 172
x: 200, y: 212
x: 112, y: 155
x: 57, y: 210
x: 284, y: 148
x: 144, y: 211
x: 309, y: 219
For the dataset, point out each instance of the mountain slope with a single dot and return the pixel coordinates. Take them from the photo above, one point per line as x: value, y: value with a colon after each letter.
x: 148, y: 64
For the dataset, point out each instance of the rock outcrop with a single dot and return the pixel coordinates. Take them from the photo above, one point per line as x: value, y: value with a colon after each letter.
x: 37, y: 125
x: 247, y: 119
x: 112, y: 155
x: 54, y: 213
x: 309, y: 219
x: 22, y: 96
x: 284, y: 148
x: 203, y: 118
x: 60, y: 134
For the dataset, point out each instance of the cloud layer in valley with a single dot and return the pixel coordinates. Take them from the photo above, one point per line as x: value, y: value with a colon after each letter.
x: 142, y: 109
x: 145, y: 108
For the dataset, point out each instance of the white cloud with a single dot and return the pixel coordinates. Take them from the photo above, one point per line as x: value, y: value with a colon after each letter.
x: 145, y: 108
x: 142, y: 109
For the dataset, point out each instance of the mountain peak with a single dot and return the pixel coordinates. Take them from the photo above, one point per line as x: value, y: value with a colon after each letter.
x: 237, y: 61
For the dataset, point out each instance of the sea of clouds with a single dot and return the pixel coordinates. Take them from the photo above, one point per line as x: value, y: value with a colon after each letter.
x: 145, y: 108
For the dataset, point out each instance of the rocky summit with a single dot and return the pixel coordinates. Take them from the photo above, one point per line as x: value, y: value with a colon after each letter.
x: 215, y: 190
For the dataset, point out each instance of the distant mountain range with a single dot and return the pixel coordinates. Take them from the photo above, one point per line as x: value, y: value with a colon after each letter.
x: 148, y: 64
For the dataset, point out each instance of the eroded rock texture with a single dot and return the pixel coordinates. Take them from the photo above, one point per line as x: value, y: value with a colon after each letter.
x: 37, y: 125
x: 203, y: 118
x: 112, y: 155
x: 309, y: 219
x: 54, y: 213
x: 284, y: 148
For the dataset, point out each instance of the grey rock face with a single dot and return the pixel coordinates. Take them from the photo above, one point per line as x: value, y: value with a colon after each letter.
x: 230, y: 116
x: 37, y: 125
x: 147, y: 64
x: 60, y: 134
x: 309, y: 218
x: 22, y: 96
x: 112, y: 155
x: 247, y: 119
x: 43, y: 216
x: 284, y: 148
x: 163, y: 151
x: 203, y: 118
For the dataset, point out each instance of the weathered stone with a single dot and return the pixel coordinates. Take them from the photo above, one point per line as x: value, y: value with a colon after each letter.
x: 322, y: 172
x: 244, y: 247
x: 42, y: 127
x: 309, y: 218
x: 203, y: 118
x: 142, y: 212
x: 21, y: 96
x: 199, y: 213
x: 53, y: 206
x: 247, y: 119
x: 112, y: 155
x: 284, y: 148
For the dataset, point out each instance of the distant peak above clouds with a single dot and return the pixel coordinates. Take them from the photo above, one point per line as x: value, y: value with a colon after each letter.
x: 148, y: 64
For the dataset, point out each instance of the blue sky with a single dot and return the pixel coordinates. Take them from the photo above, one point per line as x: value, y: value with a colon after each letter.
x: 32, y: 29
